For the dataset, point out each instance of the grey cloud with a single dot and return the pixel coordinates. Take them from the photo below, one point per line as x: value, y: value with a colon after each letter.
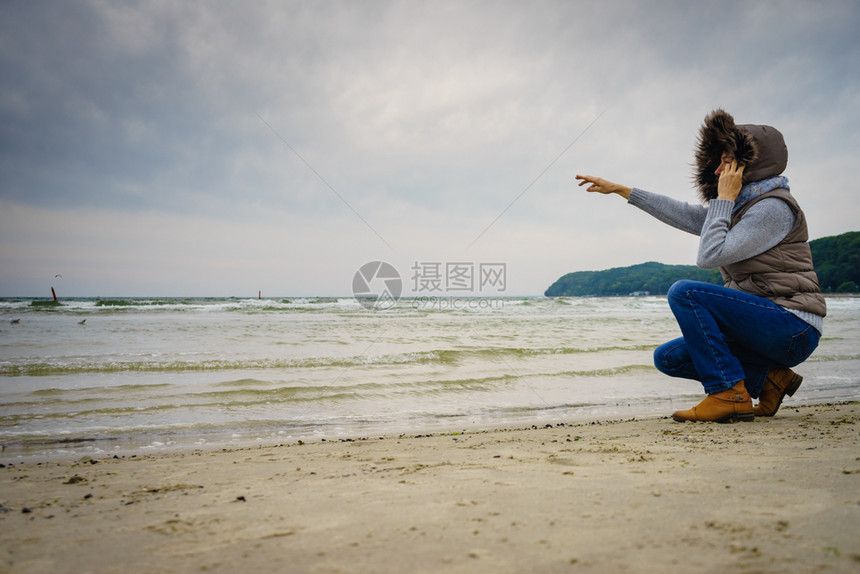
x: 437, y: 104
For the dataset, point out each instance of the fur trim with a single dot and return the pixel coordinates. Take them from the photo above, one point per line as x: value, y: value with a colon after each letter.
x: 717, y: 135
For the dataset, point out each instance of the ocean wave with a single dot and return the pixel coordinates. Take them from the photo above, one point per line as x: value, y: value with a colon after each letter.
x: 250, y: 392
x: 828, y: 358
x: 246, y: 391
x: 349, y: 305
x: 102, y: 390
x: 444, y: 357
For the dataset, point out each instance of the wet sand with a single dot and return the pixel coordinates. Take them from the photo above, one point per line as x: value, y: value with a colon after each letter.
x: 776, y: 495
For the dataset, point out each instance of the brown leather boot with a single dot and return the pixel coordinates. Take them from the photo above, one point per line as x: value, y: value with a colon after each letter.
x: 728, y: 406
x: 779, y: 382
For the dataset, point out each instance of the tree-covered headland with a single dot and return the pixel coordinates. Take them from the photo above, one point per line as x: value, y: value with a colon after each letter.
x: 836, y: 259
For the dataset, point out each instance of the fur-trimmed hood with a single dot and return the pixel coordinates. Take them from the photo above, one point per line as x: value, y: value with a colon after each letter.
x: 760, y: 148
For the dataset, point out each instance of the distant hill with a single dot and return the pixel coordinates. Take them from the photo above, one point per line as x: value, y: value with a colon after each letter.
x: 837, y: 263
x: 653, y: 278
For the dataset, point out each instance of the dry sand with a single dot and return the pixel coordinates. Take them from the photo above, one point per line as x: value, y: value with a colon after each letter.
x: 776, y: 495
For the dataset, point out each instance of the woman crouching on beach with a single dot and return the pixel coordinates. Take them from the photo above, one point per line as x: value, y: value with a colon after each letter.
x: 741, y: 340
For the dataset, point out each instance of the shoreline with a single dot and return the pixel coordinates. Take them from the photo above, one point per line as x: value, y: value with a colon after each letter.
x: 641, y: 495
x: 68, y: 449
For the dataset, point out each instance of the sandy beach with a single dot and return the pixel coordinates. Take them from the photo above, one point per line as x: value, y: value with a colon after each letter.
x: 776, y: 495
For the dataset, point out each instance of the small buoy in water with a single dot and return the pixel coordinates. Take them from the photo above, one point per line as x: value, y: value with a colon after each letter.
x: 82, y: 321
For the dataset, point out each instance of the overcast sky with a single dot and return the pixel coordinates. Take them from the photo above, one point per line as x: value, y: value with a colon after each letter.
x: 223, y: 148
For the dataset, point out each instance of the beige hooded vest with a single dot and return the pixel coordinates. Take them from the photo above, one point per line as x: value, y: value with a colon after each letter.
x: 784, y: 274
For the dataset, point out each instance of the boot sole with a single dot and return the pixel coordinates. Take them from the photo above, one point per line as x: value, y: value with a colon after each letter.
x: 732, y: 418
x: 738, y: 417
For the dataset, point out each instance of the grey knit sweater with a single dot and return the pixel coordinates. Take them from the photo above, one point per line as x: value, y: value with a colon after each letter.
x: 763, y: 226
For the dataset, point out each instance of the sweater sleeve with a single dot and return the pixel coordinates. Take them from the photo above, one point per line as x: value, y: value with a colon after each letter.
x: 763, y: 226
x: 678, y: 214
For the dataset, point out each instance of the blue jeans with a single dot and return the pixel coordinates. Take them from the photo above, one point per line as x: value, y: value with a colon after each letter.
x: 730, y: 336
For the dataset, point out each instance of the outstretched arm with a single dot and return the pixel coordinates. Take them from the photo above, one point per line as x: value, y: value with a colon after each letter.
x: 603, y: 186
x: 680, y: 215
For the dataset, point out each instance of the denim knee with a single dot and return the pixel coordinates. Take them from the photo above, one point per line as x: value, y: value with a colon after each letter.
x: 679, y: 289
x: 660, y: 362
x: 662, y: 358
x: 673, y: 358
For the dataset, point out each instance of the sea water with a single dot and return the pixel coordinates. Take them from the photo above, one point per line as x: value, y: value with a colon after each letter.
x: 95, y: 376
